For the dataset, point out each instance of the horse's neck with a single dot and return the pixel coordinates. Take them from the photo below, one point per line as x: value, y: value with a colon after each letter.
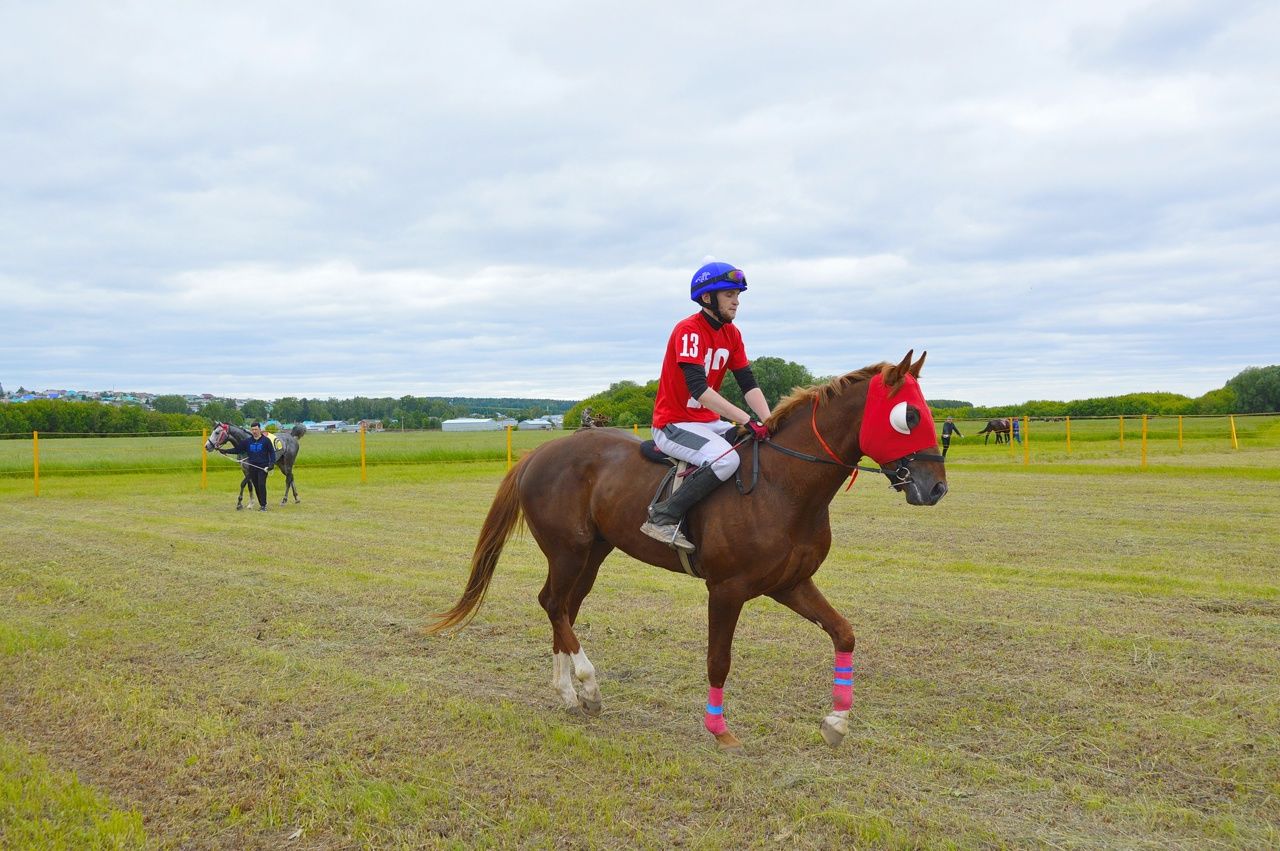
x: 837, y: 423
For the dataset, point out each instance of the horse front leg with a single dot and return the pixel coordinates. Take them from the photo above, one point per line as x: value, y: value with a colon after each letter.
x: 244, y: 483
x: 723, y: 608
x: 807, y: 601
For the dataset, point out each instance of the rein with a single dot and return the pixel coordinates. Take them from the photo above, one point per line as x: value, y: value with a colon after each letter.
x: 899, y: 475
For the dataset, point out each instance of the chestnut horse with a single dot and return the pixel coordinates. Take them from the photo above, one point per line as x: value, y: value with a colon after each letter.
x: 584, y: 495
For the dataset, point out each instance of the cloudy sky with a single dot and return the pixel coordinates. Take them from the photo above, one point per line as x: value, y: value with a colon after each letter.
x: 1056, y: 200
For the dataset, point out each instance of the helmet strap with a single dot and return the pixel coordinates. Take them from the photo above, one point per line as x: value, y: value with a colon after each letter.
x: 714, y: 308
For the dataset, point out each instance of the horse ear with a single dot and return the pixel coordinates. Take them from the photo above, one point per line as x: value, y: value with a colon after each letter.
x: 915, y: 367
x: 895, y: 374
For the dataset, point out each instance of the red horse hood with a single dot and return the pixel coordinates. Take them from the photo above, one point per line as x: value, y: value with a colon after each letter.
x: 895, y: 424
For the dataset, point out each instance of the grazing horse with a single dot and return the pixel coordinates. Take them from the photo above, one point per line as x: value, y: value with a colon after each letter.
x: 584, y: 495
x: 286, y: 453
x: 1000, y: 428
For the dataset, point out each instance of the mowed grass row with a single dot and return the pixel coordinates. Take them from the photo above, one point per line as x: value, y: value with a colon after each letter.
x: 1049, y: 660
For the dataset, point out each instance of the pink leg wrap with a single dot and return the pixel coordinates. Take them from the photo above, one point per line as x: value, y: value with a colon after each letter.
x: 713, y: 720
x: 842, y: 689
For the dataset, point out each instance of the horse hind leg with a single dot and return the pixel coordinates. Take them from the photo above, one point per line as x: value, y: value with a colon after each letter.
x: 288, y: 484
x: 569, y: 580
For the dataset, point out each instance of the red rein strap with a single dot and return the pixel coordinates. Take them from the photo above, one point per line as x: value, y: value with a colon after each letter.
x: 813, y: 420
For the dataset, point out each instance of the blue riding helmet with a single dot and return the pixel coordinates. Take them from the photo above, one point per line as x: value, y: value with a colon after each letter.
x: 716, y: 276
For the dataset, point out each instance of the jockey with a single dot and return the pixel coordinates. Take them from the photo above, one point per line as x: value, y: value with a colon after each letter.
x: 688, y: 407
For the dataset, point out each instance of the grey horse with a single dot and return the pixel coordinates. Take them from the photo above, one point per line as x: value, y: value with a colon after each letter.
x: 286, y: 453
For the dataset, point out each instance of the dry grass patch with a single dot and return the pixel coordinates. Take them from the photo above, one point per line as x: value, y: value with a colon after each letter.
x: 1044, y: 660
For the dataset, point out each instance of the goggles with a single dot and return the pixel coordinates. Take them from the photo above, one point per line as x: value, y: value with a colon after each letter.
x: 734, y: 279
x: 736, y: 276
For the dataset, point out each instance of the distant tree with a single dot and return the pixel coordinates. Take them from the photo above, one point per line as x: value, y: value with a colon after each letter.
x: 255, y: 409
x: 1220, y: 401
x: 288, y: 410
x: 1257, y: 389
x: 776, y: 377
x: 624, y: 400
x: 314, y: 409
x: 221, y: 412
x: 170, y: 403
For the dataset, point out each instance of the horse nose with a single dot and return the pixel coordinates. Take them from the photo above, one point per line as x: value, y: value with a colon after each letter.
x: 938, y: 492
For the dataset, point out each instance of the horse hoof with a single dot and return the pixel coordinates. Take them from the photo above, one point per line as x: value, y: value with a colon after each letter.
x: 833, y: 729
x: 728, y: 742
x: 239, y: 507
x: 590, y: 707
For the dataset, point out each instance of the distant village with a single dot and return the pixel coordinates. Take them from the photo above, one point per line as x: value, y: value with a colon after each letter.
x: 112, y: 397
x: 197, y: 401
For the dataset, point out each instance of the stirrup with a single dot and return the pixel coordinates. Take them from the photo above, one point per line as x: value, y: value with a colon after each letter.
x: 669, y: 534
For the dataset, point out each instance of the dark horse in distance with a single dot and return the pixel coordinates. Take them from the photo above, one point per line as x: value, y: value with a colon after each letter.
x: 1000, y: 428
x: 286, y: 453
x: 584, y: 495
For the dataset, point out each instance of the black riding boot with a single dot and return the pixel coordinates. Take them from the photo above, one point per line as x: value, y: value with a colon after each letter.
x: 664, y: 518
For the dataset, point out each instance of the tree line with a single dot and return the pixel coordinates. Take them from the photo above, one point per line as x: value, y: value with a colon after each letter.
x: 625, y: 403
x: 171, y: 413
x: 1254, y: 390
x: 85, y: 417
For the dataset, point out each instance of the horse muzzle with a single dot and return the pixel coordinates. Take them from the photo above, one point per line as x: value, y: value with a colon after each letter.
x: 922, y: 478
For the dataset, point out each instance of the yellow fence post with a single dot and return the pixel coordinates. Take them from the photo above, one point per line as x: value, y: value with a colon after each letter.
x: 508, y: 447
x: 1235, y: 444
x: 1026, y: 441
x: 1122, y: 431
x: 1068, y: 435
x: 1179, y: 431
x: 35, y: 454
x: 364, y: 477
x: 204, y: 459
x: 635, y: 429
x: 1144, y: 441
x: 1008, y: 438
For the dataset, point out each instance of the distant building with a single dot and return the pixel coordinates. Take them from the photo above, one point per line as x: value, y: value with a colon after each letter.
x: 536, y: 424
x: 471, y: 424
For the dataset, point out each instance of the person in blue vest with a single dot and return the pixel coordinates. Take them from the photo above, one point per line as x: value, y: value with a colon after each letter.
x: 260, y: 452
x: 1017, y: 429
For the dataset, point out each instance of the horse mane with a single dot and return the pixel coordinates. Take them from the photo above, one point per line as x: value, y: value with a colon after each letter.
x: 803, y: 397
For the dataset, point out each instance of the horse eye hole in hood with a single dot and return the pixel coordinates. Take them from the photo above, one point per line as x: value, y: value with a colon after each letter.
x: 904, y: 417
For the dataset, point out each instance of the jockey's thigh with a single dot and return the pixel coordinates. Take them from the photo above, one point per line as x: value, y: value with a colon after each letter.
x: 699, y: 444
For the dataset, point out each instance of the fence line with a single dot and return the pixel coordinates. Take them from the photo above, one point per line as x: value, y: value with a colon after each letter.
x: 1085, y: 439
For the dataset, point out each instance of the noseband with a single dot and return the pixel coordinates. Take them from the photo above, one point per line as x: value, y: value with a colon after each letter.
x: 900, y: 474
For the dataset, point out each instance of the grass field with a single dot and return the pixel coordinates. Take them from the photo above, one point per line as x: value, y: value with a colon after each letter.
x: 1073, y: 654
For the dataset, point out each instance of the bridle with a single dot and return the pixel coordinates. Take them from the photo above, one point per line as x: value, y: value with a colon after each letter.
x: 899, y: 474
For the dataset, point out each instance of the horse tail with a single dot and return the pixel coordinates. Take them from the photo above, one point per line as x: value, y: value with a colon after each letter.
x: 502, y: 519
x: 298, y: 430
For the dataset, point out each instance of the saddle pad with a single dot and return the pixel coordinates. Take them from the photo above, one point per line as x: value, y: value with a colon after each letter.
x: 652, y: 453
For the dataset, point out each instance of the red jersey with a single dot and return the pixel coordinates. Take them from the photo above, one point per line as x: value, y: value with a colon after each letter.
x: 694, y: 340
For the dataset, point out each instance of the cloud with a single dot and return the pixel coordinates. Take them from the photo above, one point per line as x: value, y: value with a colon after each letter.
x: 454, y: 200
